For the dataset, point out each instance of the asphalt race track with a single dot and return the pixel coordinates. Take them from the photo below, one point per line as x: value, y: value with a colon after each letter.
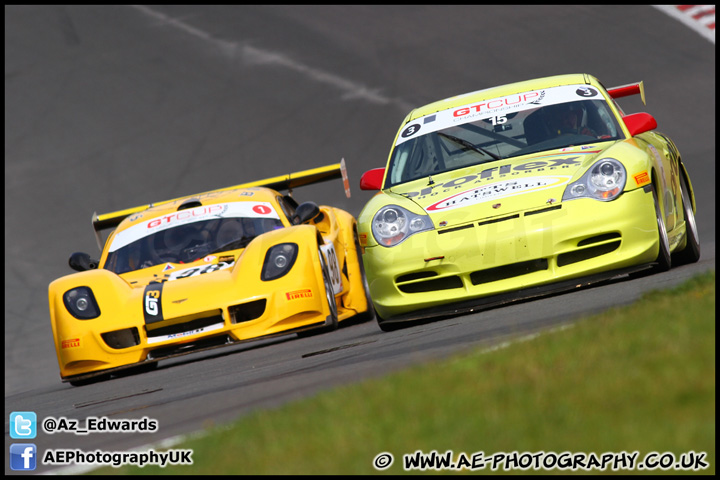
x: 109, y: 107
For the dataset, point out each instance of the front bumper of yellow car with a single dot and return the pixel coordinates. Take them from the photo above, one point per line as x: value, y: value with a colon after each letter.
x: 120, y: 338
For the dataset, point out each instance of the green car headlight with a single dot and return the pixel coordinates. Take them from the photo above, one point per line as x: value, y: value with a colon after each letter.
x: 392, y: 224
x: 604, y: 181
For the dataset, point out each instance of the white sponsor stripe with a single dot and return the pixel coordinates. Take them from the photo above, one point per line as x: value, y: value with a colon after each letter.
x: 497, y: 190
x: 199, y: 270
x: 484, y: 109
x: 192, y: 215
x: 209, y: 328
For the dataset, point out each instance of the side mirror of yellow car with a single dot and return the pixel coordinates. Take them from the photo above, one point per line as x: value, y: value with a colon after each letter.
x: 81, y: 262
x: 305, y: 212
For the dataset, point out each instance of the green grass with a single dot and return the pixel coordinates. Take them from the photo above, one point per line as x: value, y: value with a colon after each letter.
x: 636, y: 379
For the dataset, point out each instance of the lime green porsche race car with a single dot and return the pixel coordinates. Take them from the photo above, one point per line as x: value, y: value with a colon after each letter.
x: 521, y: 190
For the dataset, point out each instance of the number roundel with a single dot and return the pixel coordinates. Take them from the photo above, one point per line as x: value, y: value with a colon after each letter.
x: 261, y: 209
x: 411, y: 130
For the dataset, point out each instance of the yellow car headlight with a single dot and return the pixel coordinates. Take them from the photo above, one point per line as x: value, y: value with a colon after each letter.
x: 278, y: 261
x: 81, y: 304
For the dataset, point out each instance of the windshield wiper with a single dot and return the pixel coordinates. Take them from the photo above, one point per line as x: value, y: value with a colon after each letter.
x: 239, y: 243
x: 469, y: 145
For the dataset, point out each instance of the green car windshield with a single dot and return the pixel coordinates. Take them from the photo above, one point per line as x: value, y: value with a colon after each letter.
x: 487, y: 138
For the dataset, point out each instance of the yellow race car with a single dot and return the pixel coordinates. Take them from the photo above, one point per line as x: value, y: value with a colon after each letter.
x: 206, y: 270
x: 521, y: 190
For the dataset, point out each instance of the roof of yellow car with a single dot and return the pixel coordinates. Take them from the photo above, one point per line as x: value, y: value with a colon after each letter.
x: 284, y: 182
x: 254, y: 194
x: 501, y: 91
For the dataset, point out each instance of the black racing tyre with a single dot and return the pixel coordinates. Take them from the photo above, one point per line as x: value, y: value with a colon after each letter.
x: 330, y: 296
x: 142, y: 368
x: 691, y: 252
x: 369, y: 314
x: 664, y: 260
x: 89, y: 381
x: 386, y: 326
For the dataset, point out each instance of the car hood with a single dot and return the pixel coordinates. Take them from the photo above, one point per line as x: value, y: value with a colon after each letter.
x: 499, y: 188
x: 171, y: 272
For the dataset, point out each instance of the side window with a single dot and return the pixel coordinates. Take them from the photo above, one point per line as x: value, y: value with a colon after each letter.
x: 400, y: 158
x: 607, y: 122
x: 288, y: 205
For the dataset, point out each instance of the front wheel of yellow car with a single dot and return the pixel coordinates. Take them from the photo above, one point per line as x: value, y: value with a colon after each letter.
x: 329, y: 294
x: 331, y: 322
x: 89, y: 381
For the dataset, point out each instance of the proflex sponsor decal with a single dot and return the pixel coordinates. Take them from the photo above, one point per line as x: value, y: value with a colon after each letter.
x: 504, y: 171
x: 494, y: 191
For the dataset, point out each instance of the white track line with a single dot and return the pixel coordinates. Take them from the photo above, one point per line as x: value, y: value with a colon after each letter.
x: 256, y: 56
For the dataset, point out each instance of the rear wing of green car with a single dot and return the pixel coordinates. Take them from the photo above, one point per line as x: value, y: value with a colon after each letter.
x: 627, y: 90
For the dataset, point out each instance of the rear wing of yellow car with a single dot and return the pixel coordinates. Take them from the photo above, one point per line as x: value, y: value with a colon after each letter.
x: 627, y: 90
x: 283, y: 182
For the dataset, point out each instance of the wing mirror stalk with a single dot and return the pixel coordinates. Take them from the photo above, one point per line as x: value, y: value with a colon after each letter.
x: 81, y: 262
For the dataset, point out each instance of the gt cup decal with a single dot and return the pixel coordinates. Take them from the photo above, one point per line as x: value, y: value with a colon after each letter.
x: 490, y: 108
x: 246, y: 209
x: 497, y: 190
x: 152, y: 307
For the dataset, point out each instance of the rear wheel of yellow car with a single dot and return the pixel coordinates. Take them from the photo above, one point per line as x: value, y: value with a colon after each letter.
x: 663, y: 261
x: 691, y: 252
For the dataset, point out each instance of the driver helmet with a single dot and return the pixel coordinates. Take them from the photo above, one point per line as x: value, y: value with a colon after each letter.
x: 568, y: 118
x: 230, y: 230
